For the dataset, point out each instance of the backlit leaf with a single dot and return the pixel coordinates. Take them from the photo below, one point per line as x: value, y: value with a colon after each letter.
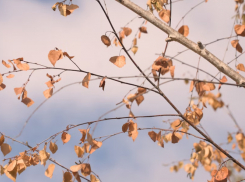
x: 86, y: 80
x: 6, y: 64
x: 119, y: 61
x: 53, y: 147
x: 6, y: 149
x: 240, y: 67
x: 48, y: 93
x: 54, y: 56
x: 184, y: 30
x: 49, y: 171
x: 65, y: 137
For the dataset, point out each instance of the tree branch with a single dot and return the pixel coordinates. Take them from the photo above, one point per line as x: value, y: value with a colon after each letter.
x: 175, y: 36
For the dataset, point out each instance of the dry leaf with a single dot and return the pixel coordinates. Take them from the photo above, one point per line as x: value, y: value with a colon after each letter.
x: 235, y: 44
x: 127, y: 31
x: 10, y: 76
x: 175, y: 139
x: 44, y: 156
x: 152, y: 135
x: 86, y: 80
x: 164, y: 15
x: 240, y: 67
x: 223, y: 80
x: 27, y: 101
x: 106, y: 40
x: 79, y: 151
x: 143, y: 30
x: 222, y: 175
x: 1, y: 79
x: 76, y: 168
x: 240, y: 30
x: 83, y: 131
x: 95, y: 146
x: 162, y: 64
x: 119, y: 61
x: 71, y: 8
x: 11, y: 166
x: 6, y: 64
x: 184, y: 30
x: 54, y: 56
x: 67, y: 177
x: 23, y: 66
x: 93, y: 178
x: 53, y: 147
x: 124, y: 127
x: 86, y: 147
x: 102, y: 83
x: 176, y: 124
x: 139, y: 99
x: 49, y: 171
x: 65, y: 137
x: 135, y: 42
x: 134, y: 49
x: 48, y: 93
x: 76, y: 175
x: 171, y: 69
x: 67, y: 55
x: 86, y: 169
x: 11, y: 175
x: 2, y: 139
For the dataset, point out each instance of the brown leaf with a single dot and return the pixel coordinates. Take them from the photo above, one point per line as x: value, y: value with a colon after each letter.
x: 184, y: 30
x: 164, y: 15
x: 222, y: 175
x: 206, y: 87
x: 71, y: 8
x: 2, y: 86
x: 124, y: 127
x: 211, y: 86
x: 240, y: 67
x: 5, y: 148
x: 86, y: 147
x: 65, y: 137
x: 6, y: 64
x: 86, y: 80
x: 67, y: 177
x: 175, y: 139
x: 93, y: 178
x: 171, y: 69
x: 23, y: 66
x: 18, y: 91
x: 143, y: 30
x: 127, y: 31
x: 53, y: 147
x: 135, y: 42
x: 95, y: 146
x: 154, y: 74
x: 163, y: 64
x: 83, y: 131
x: 27, y: 101
x: 235, y: 44
x: 139, y: 99
x: 79, y: 151
x: 67, y: 55
x: 54, y: 56
x: 139, y: 35
x: 119, y: 61
x: 48, y: 93
x: 223, y: 80
x: 10, y: 76
x: 86, y: 169
x: 76, y: 175
x: 1, y: 79
x: 49, y: 171
x: 2, y: 139
x: 11, y: 166
x: 141, y: 90
x: 11, y: 175
x: 152, y: 135
x: 106, y: 40
x: 240, y: 30
x: 102, y: 83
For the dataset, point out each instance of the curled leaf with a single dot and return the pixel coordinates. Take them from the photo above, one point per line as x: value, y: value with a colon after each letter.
x: 235, y: 44
x: 65, y: 137
x: 143, y: 29
x: 106, y: 40
x: 86, y: 80
x: 6, y: 64
x: 164, y: 15
x: 49, y: 171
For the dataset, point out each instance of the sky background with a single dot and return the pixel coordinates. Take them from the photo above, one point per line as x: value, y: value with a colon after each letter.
x: 30, y: 29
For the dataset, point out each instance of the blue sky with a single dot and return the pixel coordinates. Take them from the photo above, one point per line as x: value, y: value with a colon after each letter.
x: 30, y: 29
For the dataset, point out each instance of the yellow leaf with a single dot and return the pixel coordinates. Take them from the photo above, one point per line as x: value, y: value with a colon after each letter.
x: 49, y: 171
x: 134, y: 49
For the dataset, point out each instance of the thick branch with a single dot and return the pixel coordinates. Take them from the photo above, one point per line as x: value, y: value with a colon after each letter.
x: 175, y: 36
